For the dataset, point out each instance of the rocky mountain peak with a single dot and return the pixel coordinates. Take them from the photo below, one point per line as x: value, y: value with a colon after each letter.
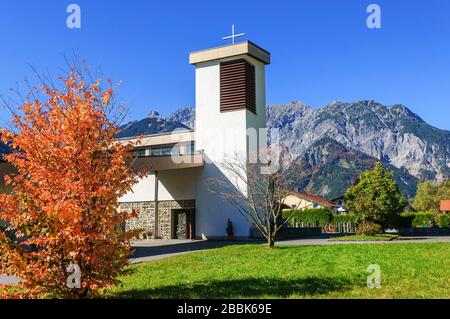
x: 185, y: 115
x: 153, y: 114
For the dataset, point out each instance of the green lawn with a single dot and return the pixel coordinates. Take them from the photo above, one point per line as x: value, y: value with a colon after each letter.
x: 380, y: 237
x: 252, y: 271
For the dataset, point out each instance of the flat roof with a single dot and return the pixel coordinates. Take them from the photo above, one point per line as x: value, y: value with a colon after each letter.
x: 155, y: 134
x: 160, y: 138
x: 247, y: 47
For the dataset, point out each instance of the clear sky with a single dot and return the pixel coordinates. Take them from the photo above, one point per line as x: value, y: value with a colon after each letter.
x: 321, y: 50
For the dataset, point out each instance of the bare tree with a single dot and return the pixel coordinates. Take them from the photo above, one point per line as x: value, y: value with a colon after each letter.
x: 257, y: 195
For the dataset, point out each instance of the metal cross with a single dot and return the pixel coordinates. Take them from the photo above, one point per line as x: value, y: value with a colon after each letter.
x: 233, y: 35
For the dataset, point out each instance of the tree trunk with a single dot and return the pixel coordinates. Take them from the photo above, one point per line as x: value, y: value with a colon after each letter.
x: 270, y: 242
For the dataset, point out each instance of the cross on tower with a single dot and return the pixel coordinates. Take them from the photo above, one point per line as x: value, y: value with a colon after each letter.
x: 233, y: 35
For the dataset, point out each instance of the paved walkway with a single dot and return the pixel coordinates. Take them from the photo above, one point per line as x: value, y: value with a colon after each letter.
x: 148, y: 250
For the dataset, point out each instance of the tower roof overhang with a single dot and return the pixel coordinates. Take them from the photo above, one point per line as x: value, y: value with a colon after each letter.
x: 226, y: 51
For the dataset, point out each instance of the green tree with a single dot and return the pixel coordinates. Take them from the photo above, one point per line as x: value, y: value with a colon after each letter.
x: 376, y: 198
x: 429, y: 195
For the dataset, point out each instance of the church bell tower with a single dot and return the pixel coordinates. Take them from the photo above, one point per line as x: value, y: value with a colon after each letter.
x: 230, y: 99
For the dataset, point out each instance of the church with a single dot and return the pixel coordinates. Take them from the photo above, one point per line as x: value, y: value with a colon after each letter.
x: 174, y: 200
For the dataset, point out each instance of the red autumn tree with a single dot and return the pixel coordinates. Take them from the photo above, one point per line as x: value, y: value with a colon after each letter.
x: 62, y: 212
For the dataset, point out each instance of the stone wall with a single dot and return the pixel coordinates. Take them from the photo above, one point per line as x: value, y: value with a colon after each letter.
x: 165, y: 214
x: 146, y: 218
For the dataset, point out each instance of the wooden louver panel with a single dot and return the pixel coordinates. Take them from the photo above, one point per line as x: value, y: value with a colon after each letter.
x: 237, y: 86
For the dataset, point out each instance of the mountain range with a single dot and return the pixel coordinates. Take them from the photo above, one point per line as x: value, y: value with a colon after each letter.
x: 330, y: 146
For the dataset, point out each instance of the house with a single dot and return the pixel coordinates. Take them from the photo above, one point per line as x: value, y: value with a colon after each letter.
x: 303, y: 200
x: 174, y: 200
x: 340, y: 203
x: 445, y: 206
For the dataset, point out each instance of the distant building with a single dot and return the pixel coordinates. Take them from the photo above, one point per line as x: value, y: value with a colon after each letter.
x: 340, y: 203
x: 445, y: 206
x: 303, y: 200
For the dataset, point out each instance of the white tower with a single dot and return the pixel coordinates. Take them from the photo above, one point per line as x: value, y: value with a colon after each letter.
x: 230, y: 108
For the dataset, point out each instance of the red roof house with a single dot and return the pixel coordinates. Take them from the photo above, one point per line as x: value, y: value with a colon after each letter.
x: 445, y: 206
x: 316, y: 200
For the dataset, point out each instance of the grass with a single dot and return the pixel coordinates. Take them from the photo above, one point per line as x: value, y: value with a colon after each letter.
x: 296, y: 235
x: 252, y: 271
x: 380, y: 237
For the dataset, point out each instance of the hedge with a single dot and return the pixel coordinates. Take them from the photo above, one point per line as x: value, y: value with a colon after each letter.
x: 424, y: 220
x: 319, y: 217
x: 443, y: 220
x: 323, y: 217
x: 343, y: 219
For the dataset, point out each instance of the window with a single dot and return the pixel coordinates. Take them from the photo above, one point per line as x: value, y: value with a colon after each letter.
x: 190, y: 148
x: 175, y: 150
x: 141, y: 152
x: 165, y: 150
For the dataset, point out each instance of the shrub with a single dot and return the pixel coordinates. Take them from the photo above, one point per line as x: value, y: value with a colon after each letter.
x: 424, y: 220
x: 319, y: 217
x: 443, y: 220
x: 369, y: 228
x: 342, y: 219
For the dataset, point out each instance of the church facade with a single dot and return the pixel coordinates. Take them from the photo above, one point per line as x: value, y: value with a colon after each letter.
x: 174, y: 200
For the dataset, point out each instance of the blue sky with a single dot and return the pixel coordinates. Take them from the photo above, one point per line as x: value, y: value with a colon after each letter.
x: 321, y: 50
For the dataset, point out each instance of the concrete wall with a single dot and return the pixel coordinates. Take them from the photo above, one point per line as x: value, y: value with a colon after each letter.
x: 173, y: 185
x: 259, y: 120
x: 178, y: 184
x: 143, y: 191
x: 222, y: 137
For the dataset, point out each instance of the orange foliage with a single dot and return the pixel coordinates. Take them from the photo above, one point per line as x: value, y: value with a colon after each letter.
x: 63, y: 207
